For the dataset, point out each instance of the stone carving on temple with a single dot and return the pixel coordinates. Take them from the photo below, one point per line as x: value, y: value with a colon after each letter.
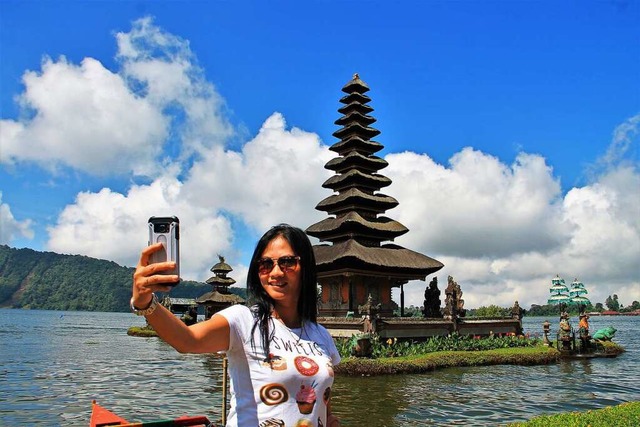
x: 454, y: 304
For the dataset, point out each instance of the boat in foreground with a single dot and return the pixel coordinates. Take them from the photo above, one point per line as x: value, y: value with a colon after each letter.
x: 101, y: 417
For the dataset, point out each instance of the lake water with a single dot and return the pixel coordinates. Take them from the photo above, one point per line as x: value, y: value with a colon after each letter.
x: 52, y: 364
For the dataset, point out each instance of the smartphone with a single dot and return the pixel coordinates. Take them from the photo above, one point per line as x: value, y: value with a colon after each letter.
x: 165, y: 230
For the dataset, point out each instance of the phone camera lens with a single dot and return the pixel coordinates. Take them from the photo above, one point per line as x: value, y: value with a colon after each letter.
x: 162, y: 228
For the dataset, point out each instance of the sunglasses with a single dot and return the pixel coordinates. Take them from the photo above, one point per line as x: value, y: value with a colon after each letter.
x: 286, y: 263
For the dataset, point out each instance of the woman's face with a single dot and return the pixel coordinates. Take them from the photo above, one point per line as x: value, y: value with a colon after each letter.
x: 282, y: 286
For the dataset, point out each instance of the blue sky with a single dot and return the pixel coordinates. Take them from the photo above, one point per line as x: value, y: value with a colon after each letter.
x: 510, y: 129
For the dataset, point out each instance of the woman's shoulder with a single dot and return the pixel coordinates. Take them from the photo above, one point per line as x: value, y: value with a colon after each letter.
x: 321, y: 330
x: 325, y: 339
x: 237, y: 311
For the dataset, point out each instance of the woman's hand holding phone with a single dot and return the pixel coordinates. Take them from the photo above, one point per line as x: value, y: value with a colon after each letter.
x: 148, y: 278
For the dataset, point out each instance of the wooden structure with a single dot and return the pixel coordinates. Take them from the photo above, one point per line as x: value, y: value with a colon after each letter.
x: 179, y: 305
x: 358, y: 263
x: 220, y: 297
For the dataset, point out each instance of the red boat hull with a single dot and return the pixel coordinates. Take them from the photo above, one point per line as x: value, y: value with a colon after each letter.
x: 101, y: 417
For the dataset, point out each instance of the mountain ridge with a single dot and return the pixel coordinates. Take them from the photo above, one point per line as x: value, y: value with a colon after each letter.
x: 32, y: 279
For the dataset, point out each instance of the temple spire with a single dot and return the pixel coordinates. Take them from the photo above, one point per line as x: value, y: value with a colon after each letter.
x: 356, y: 227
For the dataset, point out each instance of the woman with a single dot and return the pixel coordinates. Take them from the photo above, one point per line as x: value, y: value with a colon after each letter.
x: 280, y: 360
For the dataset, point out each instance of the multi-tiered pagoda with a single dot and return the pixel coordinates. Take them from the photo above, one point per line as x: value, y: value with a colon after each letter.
x: 220, y: 297
x: 358, y: 263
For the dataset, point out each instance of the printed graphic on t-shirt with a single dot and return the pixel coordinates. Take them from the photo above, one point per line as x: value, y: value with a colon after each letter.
x: 289, y: 387
x: 301, y: 374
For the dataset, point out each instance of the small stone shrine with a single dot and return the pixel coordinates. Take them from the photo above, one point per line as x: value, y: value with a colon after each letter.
x: 357, y: 263
x: 220, y: 297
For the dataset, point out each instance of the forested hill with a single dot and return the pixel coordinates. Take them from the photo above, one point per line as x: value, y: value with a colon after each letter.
x: 51, y: 281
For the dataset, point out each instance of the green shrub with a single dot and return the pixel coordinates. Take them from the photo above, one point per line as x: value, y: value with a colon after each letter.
x: 453, y: 342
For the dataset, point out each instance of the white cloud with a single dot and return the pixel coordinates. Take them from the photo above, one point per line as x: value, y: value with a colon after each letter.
x: 276, y: 178
x: 503, y: 232
x: 624, y: 145
x: 84, y: 117
x: 10, y: 228
x: 164, y: 70
x: 113, y: 226
x: 478, y: 207
x: 101, y: 122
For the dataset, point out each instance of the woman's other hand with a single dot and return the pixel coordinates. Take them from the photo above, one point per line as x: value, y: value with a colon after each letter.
x: 146, y: 279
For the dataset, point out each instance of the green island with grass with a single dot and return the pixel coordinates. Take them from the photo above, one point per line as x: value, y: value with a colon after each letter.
x: 142, y: 331
x: 623, y: 415
x: 416, y: 364
x: 406, y: 357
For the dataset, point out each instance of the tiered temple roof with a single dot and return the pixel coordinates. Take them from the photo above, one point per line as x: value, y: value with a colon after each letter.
x: 220, y: 295
x: 356, y: 227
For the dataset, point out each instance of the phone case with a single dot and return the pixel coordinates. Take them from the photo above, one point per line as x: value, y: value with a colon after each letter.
x: 165, y: 230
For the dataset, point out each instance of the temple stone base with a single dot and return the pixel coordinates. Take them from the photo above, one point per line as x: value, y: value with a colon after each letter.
x: 418, y: 329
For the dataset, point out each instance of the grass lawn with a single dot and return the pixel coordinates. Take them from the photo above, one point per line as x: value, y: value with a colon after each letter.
x: 623, y: 415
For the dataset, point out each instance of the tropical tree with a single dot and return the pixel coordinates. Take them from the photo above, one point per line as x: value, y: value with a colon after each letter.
x: 491, y: 311
x: 612, y: 303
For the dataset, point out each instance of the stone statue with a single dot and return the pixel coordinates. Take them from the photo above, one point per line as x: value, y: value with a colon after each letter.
x: 369, y: 308
x: 367, y: 325
x: 454, y: 304
x: 564, y: 333
x: 191, y: 316
x: 432, y: 300
x: 583, y: 332
x: 516, y: 311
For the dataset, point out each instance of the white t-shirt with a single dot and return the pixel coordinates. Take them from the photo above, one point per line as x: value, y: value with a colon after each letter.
x: 289, y: 389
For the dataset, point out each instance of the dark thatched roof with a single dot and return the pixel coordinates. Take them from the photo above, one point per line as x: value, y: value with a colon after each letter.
x: 353, y: 223
x: 215, y: 296
x: 355, y: 98
x: 355, y: 177
x: 355, y: 106
x: 355, y: 85
x: 221, y: 281
x: 355, y: 116
x: 356, y: 143
x: 355, y: 159
x: 387, y: 260
x: 354, y: 198
x: 355, y: 128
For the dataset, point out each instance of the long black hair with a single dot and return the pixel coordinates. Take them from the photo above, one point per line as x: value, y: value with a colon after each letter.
x: 260, y: 300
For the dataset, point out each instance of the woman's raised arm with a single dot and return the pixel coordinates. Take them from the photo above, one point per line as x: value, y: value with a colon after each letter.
x: 204, y: 337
